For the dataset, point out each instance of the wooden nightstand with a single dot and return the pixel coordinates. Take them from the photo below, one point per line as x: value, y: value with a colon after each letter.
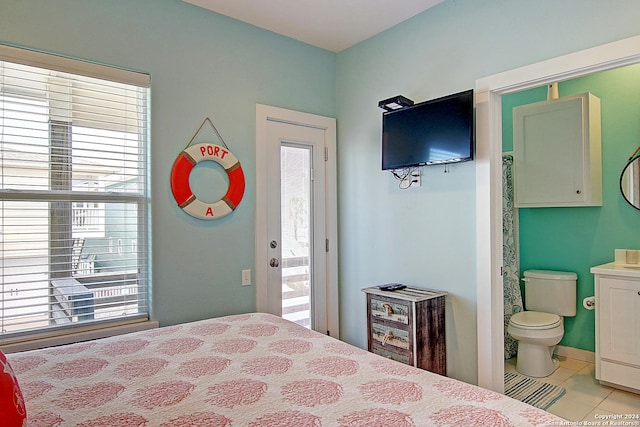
x: 408, y: 326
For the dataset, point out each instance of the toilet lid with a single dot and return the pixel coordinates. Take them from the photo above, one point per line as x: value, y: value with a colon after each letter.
x: 536, y: 320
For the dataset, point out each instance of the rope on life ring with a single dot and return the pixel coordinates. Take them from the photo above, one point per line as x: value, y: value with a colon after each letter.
x: 184, y: 164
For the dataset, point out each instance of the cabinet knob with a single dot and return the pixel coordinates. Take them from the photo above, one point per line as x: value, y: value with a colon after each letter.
x: 578, y: 192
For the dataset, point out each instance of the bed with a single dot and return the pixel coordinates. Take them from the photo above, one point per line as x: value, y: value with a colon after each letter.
x: 246, y: 370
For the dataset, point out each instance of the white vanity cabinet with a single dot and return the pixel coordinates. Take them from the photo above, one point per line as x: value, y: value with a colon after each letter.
x: 617, y: 293
x: 557, y: 152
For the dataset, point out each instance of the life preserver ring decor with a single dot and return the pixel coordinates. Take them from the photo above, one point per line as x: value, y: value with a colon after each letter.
x: 184, y: 164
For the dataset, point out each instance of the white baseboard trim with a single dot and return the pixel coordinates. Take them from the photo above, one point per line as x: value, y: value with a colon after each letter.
x: 576, y: 353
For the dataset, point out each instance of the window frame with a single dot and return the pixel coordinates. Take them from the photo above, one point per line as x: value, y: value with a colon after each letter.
x: 141, y: 199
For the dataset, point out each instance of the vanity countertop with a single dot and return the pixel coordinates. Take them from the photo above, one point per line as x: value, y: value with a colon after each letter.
x: 617, y: 269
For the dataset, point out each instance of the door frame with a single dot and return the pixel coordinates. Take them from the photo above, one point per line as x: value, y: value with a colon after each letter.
x: 265, y: 114
x: 489, y: 91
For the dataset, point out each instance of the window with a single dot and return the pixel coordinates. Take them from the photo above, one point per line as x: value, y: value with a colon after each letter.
x: 73, y: 179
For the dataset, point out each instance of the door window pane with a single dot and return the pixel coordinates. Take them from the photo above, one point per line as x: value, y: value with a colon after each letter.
x: 296, y: 228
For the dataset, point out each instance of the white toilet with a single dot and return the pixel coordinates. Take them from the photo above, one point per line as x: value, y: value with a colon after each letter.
x: 549, y: 296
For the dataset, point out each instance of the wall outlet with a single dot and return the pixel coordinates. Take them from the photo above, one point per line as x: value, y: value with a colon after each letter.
x: 416, y: 178
x: 246, y: 277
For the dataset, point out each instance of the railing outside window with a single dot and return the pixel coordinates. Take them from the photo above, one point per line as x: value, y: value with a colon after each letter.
x: 296, y: 290
x: 86, y: 217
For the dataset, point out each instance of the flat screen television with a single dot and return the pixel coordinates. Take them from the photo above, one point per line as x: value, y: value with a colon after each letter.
x: 433, y: 132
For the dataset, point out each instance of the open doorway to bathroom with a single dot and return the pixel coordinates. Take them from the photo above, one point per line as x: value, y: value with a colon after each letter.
x: 574, y: 238
x: 489, y: 93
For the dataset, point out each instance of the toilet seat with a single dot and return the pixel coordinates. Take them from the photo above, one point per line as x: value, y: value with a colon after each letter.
x: 536, y: 320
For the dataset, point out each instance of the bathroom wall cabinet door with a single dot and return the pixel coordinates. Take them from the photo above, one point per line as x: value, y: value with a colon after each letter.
x: 408, y: 326
x: 557, y: 152
x: 618, y: 331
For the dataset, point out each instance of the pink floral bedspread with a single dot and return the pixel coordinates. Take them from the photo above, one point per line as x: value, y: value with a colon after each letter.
x: 247, y: 370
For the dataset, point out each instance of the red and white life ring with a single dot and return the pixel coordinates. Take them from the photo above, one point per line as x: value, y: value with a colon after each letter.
x: 181, y: 189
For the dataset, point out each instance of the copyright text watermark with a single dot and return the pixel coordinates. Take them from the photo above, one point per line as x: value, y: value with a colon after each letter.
x: 604, y: 420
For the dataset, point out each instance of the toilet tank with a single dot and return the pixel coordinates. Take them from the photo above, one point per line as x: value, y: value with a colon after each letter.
x: 550, y: 291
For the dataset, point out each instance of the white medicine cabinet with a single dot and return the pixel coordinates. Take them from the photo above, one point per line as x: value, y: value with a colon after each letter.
x: 557, y: 152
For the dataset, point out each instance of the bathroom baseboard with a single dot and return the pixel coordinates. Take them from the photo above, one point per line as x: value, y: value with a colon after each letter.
x: 576, y: 353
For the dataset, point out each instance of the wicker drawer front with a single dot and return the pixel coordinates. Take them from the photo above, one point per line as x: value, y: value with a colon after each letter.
x: 394, y: 311
x: 391, y: 337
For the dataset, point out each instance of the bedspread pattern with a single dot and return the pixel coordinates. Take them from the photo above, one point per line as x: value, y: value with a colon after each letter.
x: 247, y: 370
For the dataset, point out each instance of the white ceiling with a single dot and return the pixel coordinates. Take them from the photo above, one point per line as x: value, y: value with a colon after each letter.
x: 330, y: 24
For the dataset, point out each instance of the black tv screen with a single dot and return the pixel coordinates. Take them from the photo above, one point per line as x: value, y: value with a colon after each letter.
x: 432, y: 132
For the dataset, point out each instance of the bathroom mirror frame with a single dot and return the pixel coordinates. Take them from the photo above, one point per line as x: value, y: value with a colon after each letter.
x: 630, y: 180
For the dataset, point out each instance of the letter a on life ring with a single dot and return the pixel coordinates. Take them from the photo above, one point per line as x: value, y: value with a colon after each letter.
x: 181, y: 189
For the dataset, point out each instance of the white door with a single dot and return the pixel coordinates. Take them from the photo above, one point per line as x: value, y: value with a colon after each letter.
x: 296, y: 253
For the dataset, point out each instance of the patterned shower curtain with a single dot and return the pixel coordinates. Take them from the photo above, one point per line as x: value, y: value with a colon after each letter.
x: 511, y: 267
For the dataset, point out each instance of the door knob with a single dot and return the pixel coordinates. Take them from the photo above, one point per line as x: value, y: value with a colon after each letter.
x: 273, y: 262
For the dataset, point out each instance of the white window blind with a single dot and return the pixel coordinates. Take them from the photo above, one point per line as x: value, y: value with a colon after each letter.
x: 73, y: 193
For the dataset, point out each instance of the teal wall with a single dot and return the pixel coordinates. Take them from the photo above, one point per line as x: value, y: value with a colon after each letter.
x: 426, y: 236
x: 202, y: 65
x: 575, y: 239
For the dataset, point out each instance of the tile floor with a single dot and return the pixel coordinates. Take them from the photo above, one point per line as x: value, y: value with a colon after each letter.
x: 585, y: 397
